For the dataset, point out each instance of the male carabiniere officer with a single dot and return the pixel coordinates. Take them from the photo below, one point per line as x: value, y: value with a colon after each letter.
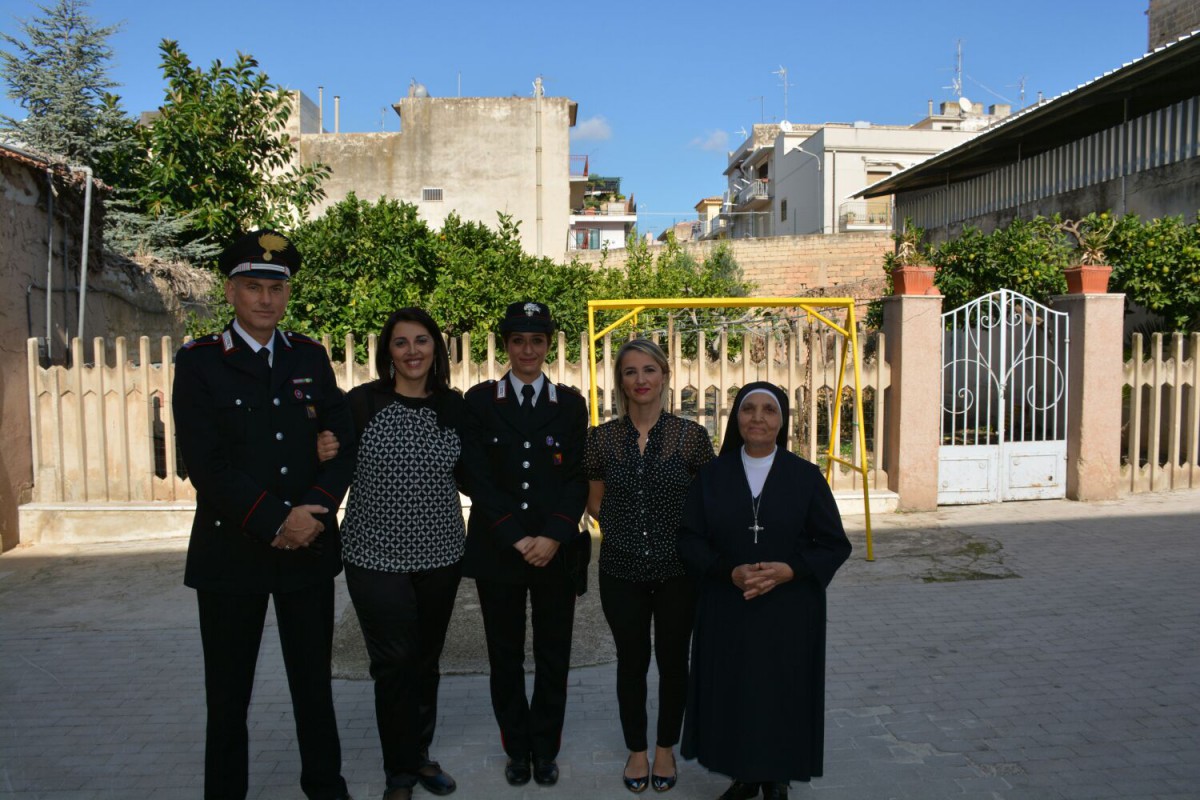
x: 248, y: 405
x: 523, y: 538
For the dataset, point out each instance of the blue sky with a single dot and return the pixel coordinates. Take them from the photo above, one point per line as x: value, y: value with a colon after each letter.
x: 663, y: 88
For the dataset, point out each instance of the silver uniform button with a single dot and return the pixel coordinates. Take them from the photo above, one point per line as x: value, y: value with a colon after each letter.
x: 527, y: 445
x: 276, y: 401
x: 525, y: 464
x: 524, y: 506
x: 495, y: 439
x: 525, y: 485
x: 237, y: 402
x: 217, y: 523
x: 279, y: 437
x: 283, y: 470
x: 287, y: 503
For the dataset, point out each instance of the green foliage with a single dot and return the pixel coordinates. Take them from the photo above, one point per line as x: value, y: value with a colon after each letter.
x: 362, y: 261
x: 1027, y: 256
x: 669, y: 272
x: 1157, y: 264
x: 58, y: 73
x: 217, y: 150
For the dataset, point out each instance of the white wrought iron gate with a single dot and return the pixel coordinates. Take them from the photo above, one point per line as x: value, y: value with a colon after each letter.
x: 1004, y: 401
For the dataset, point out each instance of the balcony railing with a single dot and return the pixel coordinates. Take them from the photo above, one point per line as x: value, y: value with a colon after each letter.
x: 578, y: 166
x: 865, y: 215
x: 758, y: 190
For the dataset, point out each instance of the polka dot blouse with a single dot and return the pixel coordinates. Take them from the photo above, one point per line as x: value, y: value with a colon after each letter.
x: 644, y: 493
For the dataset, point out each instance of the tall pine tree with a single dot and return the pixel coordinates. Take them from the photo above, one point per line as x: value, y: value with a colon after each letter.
x: 57, y: 71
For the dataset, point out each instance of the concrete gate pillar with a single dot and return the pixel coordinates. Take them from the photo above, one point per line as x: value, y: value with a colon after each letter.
x: 1095, y: 325
x: 912, y: 325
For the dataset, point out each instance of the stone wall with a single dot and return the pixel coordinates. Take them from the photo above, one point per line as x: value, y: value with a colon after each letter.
x: 787, y: 266
x: 1170, y: 19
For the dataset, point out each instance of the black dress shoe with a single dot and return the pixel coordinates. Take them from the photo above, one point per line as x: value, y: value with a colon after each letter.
x: 775, y: 791
x: 739, y: 790
x: 400, y: 793
x: 435, y: 780
x: 517, y: 772
x: 545, y: 771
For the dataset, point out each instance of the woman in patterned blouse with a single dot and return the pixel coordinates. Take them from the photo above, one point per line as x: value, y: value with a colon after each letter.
x: 639, y: 466
x: 403, y: 539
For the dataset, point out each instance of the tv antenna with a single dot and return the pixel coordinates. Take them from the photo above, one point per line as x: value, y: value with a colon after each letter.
x: 782, y: 73
x: 956, y: 83
x: 1020, y: 87
x: 762, y: 109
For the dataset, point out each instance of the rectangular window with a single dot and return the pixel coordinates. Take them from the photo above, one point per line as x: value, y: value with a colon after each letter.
x: 587, y: 238
x: 431, y: 195
x: 783, y: 210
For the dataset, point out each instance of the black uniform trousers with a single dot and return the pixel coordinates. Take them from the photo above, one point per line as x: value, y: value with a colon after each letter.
x: 231, y: 627
x: 529, y: 727
x: 404, y: 617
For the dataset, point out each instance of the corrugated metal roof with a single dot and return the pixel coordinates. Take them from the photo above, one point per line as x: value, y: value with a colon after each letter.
x: 1163, y: 76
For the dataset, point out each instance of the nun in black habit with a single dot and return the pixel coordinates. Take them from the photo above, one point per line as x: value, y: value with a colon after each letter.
x: 762, y: 534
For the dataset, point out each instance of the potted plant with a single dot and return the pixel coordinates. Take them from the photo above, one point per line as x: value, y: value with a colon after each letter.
x: 912, y: 274
x: 1089, y: 273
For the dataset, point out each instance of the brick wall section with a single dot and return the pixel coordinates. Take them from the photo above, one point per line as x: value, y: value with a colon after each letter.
x: 1170, y: 19
x: 786, y: 266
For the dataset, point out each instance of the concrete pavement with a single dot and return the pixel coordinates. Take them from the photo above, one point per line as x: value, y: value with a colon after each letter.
x: 1025, y: 650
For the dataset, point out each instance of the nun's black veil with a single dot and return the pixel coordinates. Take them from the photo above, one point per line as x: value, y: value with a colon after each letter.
x: 732, y: 443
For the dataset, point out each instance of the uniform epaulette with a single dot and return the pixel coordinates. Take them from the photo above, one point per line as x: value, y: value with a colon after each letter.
x: 201, y: 342
x: 300, y: 337
x: 570, y: 389
x: 482, y: 385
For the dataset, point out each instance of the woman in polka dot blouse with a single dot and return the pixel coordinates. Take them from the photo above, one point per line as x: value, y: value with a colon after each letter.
x: 639, y: 466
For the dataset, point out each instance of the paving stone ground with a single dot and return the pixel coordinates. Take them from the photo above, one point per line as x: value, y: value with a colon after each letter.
x: 1025, y: 650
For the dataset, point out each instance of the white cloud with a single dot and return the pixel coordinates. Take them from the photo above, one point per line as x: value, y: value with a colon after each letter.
x: 716, y: 142
x: 594, y: 129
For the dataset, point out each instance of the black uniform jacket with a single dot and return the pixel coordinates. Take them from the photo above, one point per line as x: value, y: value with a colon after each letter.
x: 248, y: 440
x: 531, y: 482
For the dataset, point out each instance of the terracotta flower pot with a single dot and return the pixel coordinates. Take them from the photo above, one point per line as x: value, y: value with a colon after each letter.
x: 1087, y: 279
x: 913, y: 280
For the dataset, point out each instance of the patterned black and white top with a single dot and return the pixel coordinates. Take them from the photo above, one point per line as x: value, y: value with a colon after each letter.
x: 644, y: 493
x: 404, y: 512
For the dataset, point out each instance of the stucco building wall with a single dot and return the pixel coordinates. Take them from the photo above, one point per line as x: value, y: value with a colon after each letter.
x: 482, y: 153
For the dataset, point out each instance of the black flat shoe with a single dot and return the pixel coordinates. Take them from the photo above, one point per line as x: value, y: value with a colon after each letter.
x: 739, y: 790
x: 545, y: 772
x: 663, y: 783
x: 517, y: 772
x: 436, y: 781
x: 636, y: 785
x: 775, y: 791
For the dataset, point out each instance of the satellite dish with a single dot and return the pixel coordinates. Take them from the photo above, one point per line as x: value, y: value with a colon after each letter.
x: 965, y: 105
x: 785, y: 126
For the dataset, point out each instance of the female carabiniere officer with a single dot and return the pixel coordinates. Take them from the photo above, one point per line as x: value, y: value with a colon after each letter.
x: 523, y: 538
x: 248, y: 404
x: 639, y: 467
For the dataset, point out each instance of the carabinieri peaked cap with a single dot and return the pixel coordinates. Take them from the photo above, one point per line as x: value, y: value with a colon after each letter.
x: 261, y: 254
x: 527, y: 318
